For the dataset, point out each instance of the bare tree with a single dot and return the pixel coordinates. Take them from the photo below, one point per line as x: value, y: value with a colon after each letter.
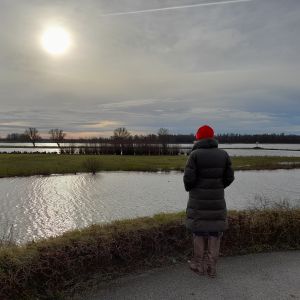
x: 57, y: 136
x: 163, y: 137
x: 32, y: 135
x: 121, y: 133
x: 163, y: 132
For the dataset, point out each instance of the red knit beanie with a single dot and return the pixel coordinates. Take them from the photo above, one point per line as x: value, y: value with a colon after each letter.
x: 204, y: 132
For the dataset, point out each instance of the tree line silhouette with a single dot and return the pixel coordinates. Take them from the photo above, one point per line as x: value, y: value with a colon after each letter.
x: 59, y: 136
x: 122, y: 142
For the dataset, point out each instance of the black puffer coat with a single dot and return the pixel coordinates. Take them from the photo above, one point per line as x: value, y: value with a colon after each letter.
x: 207, y: 172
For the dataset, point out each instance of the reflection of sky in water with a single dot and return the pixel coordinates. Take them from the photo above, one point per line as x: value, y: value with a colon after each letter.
x: 44, y: 206
x: 259, y: 152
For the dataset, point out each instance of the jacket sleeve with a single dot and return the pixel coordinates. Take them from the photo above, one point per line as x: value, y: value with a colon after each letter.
x: 190, y: 173
x: 228, y: 176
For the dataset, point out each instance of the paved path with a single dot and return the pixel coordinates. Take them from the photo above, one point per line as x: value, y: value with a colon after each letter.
x: 264, y: 276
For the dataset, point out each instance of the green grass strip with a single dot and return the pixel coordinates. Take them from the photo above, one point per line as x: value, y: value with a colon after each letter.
x: 45, y: 164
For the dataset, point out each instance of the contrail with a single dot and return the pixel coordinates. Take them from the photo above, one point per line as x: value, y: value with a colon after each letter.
x: 174, y: 7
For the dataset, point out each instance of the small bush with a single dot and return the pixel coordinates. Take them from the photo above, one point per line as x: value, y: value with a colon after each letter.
x: 92, y: 165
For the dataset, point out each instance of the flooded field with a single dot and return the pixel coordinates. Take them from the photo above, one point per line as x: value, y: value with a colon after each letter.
x: 40, y: 206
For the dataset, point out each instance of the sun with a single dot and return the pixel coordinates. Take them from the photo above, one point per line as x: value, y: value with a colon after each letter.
x: 56, y: 40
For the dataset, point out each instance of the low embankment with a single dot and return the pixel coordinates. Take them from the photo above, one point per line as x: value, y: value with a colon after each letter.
x: 52, y: 268
x: 46, y: 164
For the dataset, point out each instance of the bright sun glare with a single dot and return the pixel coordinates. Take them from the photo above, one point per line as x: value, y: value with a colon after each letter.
x: 56, y: 40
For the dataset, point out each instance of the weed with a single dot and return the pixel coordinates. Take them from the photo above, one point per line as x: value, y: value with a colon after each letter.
x: 92, y: 165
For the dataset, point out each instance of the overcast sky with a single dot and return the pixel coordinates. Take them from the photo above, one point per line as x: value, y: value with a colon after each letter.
x: 235, y: 66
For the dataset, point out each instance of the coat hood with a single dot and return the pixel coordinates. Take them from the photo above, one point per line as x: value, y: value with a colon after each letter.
x: 206, y: 143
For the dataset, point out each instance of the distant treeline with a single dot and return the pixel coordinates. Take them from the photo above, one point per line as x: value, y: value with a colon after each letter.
x: 173, y: 138
x: 122, y: 148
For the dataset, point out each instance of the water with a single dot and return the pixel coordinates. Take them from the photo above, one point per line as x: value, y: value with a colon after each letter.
x: 285, y: 149
x: 232, y: 149
x: 27, y: 144
x: 267, y: 146
x: 29, y: 150
x: 261, y: 152
x: 47, y: 206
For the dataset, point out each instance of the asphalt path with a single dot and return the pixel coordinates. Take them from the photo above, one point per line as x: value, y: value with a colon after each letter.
x: 274, y: 275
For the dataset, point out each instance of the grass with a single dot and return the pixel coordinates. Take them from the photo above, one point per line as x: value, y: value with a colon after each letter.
x: 265, y: 162
x: 57, y: 267
x: 45, y: 164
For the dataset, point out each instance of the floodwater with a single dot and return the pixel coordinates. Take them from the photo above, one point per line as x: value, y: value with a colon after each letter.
x: 43, y: 206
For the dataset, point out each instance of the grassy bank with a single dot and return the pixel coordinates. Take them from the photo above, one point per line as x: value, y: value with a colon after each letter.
x: 44, y: 164
x: 55, y: 267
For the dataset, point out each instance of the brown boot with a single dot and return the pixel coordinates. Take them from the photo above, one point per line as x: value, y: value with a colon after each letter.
x: 213, y: 255
x: 197, y: 263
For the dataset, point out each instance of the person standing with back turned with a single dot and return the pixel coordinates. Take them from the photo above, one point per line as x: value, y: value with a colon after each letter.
x: 207, y: 173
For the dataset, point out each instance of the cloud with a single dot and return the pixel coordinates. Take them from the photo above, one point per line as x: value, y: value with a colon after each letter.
x: 234, y: 65
x: 233, y: 114
x: 102, y: 124
x: 15, y: 124
x: 128, y: 104
x: 87, y: 134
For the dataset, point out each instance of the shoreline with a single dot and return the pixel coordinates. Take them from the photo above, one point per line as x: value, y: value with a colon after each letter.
x: 179, y: 171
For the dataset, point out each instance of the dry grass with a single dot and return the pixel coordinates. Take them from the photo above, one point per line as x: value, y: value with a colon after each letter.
x: 49, y: 268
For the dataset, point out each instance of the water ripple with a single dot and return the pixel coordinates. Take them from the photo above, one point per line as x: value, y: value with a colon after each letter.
x: 43, y: 206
